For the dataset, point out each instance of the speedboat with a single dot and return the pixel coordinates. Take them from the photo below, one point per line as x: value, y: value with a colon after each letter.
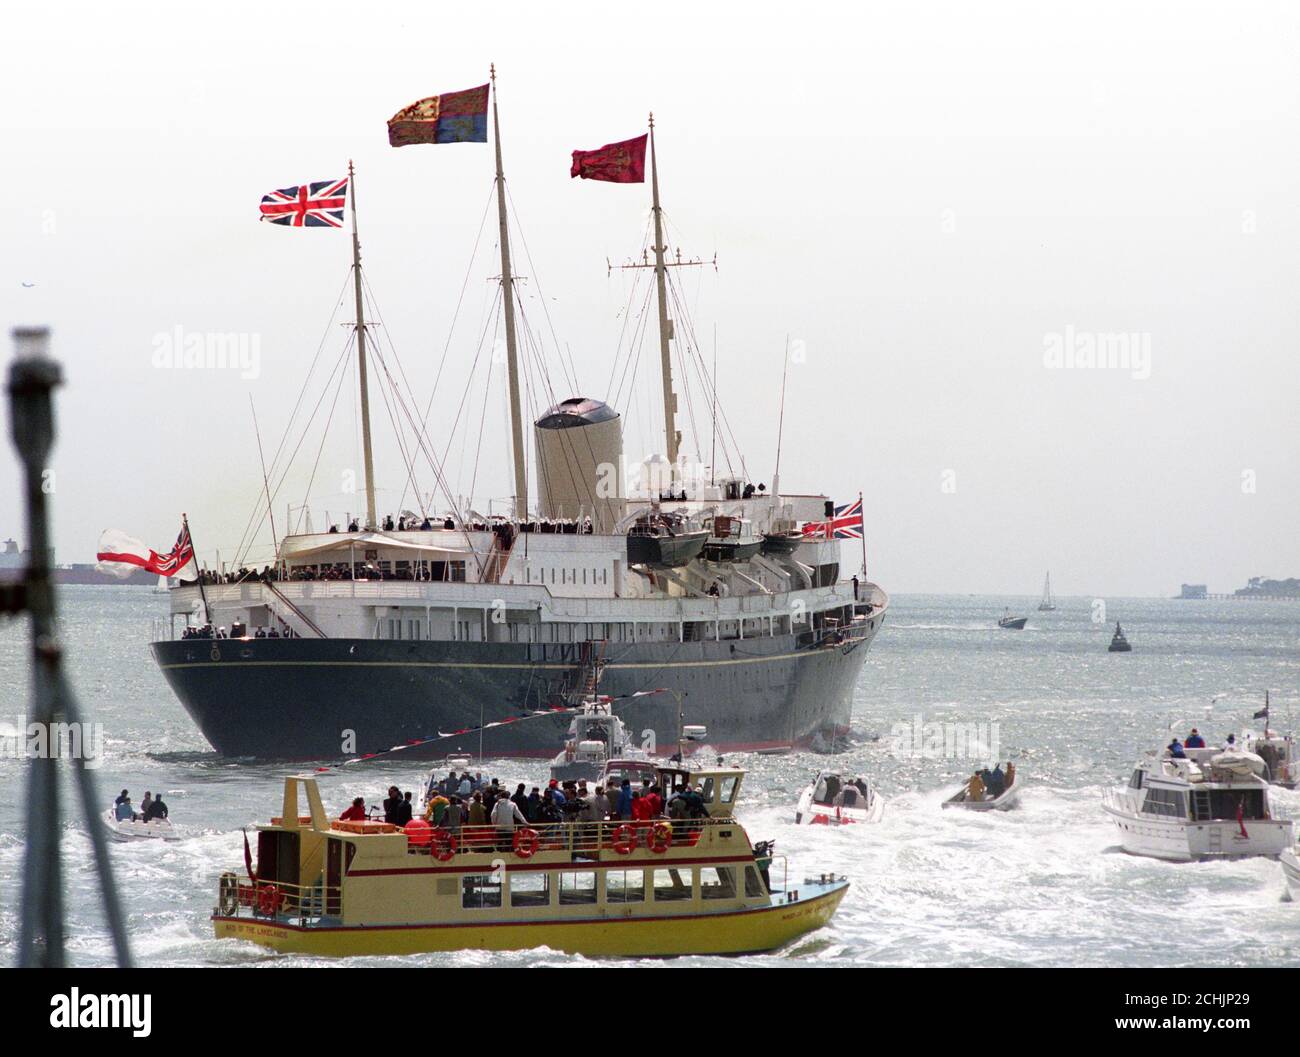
x: 664, y: 540
x: 1210, y: 803
x: 1005, y: 800
x: 1010, y: 623
x: 595, y: 737
x: 833, y: 799
x: 1118, y: 643
x: 134, y: 830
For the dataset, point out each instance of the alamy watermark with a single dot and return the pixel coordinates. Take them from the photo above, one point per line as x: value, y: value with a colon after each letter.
x: 208, y: 350
x: 946, y: 740
x: 1072, y: 349
x: 20, y: 739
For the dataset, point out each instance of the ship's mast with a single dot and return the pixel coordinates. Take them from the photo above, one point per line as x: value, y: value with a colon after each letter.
x: 508, y: 297
x: 671, y: 437
x: 361, y: 360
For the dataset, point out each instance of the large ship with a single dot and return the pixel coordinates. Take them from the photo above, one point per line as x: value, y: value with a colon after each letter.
x: 727, y: 598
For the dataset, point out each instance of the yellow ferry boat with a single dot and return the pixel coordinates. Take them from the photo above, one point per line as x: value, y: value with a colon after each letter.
x: 652, y: 888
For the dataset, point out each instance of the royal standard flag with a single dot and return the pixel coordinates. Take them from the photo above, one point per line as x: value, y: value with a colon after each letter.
x: 456, y: 117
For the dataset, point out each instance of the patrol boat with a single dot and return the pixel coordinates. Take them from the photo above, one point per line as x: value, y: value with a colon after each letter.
x: 1211, y: 803
x: 615, y: 889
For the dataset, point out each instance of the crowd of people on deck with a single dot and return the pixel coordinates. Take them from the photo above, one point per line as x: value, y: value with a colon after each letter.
x: 151, y: 808
x: 236, y: 631
x: 1194, y: 741
x: 462, y: 800
x: 990, y: 783
x: 505, y: 528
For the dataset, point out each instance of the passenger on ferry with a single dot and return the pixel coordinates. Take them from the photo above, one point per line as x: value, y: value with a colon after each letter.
x: 437, y: 809
x: 477, y: 813
x: 520, y: 800
x: 505, y: 816
x: 650, y: 793
x: 454, y: 817
x: 534, y: 808
x: 678, y: 808
x: 1176, y: 750
x: 548, y: 811
x: 623, y: 809
x: 392, y: 804
x: 156, y: 809
x: 640, y: 808
x: 356, y: 813
x: 598, y: 806
x: 556, y: 793
x: 1194, y: 740
x: 404, y: 811
x: 465, y: 787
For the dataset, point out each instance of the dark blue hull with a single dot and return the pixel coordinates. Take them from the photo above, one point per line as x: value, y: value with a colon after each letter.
x: 325, y: 698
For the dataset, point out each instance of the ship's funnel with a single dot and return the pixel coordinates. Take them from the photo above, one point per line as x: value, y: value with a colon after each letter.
x: 580, y: 462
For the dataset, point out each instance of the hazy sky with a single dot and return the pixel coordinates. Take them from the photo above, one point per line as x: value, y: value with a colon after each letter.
x: 929, y: 199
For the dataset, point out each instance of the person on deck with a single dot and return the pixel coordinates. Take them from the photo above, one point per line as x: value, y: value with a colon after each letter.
x: 623, y: 809
x: 391, y: 804
x: 1194, y: 740
x: 156, y: 809
x: 1011, y: 774
x: 997, y: 781
x: 404, y: 811
x: 124, y: 795
x: 1176, y: 750
x: 534, y: 808
x: 640, y: 808
x: 146, y: 804
x: 975, y: 788
x: 437, y: 809
x: 123, y: 812
x: 598, y: 806
x: 505, y: 816
x: 356, y: 813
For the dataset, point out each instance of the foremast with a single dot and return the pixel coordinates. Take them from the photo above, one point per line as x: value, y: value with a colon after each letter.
x: 672, y: 438
x: 367, y: 451
x: 508, y: 297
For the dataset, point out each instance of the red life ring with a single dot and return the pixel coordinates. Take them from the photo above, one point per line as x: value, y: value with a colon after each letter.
x: 442, y: 844
x: 660, y: 838
x: 526, y: 843
x: 624, y: 839
x: 268, y: 900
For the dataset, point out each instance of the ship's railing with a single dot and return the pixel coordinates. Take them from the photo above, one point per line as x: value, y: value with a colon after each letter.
x: 580, y: 838
x: 278, y: 900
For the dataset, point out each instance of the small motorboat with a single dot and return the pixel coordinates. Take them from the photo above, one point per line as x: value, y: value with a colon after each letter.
x: 782, y: 543
x: 595, y: 737
x: 833, y: 799
x: 135, y: 830
x: 731, y: 539
x: 1005, y: 800
x: 1010, y: 623
x: 1118, y: 643
x: 664, y: 540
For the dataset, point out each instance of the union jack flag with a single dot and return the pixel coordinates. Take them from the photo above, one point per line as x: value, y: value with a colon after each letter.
x: 845, y: 525
x: 314, y: 205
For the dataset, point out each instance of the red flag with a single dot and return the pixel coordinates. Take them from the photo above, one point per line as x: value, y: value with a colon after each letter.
x: 619, y: 163
x: 248, y: 859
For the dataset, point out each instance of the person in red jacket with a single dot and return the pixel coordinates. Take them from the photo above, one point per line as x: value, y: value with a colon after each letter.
x: 356, y: 813
x: 641, y: 808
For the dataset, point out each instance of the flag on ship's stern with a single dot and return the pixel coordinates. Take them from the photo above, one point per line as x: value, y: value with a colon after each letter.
x: 313, y: 205
x: 619, y: 163
x: 453, y: 117
x: 119, y: 555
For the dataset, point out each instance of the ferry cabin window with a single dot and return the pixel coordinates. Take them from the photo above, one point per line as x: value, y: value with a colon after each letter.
x: 717, y: 882
x: 707, y: 789
x: 624, y: 886
x: 728, y: 790
x: 577, y: 887
x: 480, y: 891
x: 1136, y: 781
x: 753, y: 883
x: 530, y: 888
x: 673, y: 884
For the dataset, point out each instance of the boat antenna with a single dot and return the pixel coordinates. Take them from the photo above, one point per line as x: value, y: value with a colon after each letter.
x: 361, y: 359
x: 508, y: 299
x: 780, y: 422
x: 713, y: 455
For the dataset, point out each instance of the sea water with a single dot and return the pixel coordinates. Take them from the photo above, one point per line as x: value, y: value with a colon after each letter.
x: 1044, y: 884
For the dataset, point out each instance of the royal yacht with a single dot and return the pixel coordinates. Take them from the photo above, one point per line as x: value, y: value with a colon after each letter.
x: 366, y: 633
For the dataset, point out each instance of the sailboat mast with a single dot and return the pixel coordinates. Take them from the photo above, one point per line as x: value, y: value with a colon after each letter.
x: 368, y: 454
x: 508, y: 297
x: 671, y: 437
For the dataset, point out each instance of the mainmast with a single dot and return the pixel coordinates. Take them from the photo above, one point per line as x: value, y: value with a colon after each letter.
x: 508, y: 296
x: 361, y: 361
x: 671, y: 436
